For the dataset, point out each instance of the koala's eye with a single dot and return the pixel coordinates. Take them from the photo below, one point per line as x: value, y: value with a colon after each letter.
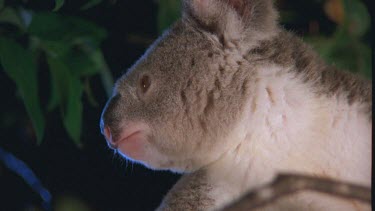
x: 145, y: 83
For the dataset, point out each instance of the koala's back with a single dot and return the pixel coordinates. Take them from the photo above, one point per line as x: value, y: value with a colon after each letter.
x: 287, y: 50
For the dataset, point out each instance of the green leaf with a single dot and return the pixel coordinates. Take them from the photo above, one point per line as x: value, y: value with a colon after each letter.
x: 344, y: 51
x: 65, y: 29
x: 19, y: 65
x: 91, y: 3
x: 357, y: 18
x: 9, y: 15
x: 366, y: 64
x: 68, y: 90
x: 321, y: 44
x: 73, y: 115
x: 85, y: 31
x: 105, y: 73
x: 89, y: 94
x: 60, y: 77
x: 58, y: 4
x: 48, y: 26
x: 169, y: 12
x: 80, y: 63
x: 56, y: 48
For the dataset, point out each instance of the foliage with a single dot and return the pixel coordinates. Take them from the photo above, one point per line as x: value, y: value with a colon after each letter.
x: 70, y: 48
x: 24, y: 75
x: 345, y: 47
x: 169, y: 11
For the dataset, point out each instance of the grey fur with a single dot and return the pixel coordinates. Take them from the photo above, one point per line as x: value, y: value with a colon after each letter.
x: 202, y: 70
x: 188, y: 194
x: 287, y: 50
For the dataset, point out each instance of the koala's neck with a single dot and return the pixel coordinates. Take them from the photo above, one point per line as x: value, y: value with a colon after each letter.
x: 289, y: 128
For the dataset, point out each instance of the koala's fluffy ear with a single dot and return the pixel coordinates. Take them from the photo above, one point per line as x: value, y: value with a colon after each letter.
x: 233, y: 19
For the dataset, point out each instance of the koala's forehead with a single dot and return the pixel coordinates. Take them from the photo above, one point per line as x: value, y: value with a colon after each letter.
x: 178, y: 49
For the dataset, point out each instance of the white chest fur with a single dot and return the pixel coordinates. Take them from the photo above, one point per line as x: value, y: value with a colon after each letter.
x: 288, y: 128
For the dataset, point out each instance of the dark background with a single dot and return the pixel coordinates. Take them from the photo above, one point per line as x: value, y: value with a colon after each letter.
x: 92, y: 177
x: 93, y: 174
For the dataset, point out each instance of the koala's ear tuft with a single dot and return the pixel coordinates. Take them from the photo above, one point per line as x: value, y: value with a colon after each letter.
x: 233, y: 19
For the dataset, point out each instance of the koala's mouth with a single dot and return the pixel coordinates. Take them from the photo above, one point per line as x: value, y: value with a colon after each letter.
x: 129, y: 134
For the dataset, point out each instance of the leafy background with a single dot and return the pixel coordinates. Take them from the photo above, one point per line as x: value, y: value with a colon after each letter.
x: 59, y: 60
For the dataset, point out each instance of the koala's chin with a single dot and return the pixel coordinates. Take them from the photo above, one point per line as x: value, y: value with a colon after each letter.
x: 139, y: 147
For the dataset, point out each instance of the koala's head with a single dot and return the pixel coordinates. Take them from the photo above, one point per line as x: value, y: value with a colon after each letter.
x: 178, y: 106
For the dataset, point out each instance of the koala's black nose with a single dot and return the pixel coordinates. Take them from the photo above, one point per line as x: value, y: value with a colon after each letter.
x: 108, y: 136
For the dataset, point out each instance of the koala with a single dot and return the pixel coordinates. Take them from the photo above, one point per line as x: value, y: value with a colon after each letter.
x: 229, y: 98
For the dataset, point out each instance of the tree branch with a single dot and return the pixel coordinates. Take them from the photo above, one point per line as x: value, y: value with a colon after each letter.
x: 285, y: 184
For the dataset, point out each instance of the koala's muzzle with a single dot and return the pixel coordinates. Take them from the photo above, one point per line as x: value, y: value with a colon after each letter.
x: 110, y: 120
